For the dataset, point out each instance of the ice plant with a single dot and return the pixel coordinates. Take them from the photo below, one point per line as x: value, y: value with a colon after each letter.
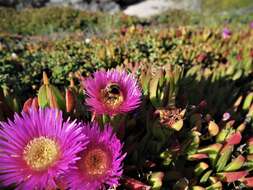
x: 251, y: 25
x: 226, y: 33
x: 112, y: 92
x: 100, y: 165
x: 37, y: 147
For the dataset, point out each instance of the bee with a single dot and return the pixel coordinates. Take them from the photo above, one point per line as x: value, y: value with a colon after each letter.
x: 112, y: 95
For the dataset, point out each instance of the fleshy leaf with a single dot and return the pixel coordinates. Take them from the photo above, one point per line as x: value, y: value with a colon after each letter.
x: 70, y: 100
x: 156, y: 179
x: 212, y: 151
x: 200, y: 168
x: 134, y: 184
x: 230, y: 177
x: 198, y: 188
x: 206, y: 176
x: 42, y: 97
x: 234, y: 138
x: 213, y: 128
x: 197, y: 156
x: 236, y: 164
x: 250, y: 145
x: 216, y: 186
x: 224, y: 157
x: 178, y: 125
x: 248, y: 181
x: 248, y: 101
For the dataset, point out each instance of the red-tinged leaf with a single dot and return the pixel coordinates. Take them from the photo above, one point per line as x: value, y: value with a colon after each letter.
x: 35, y: 103
x: 45, y: 78
x: 51, y: 97
x: 31, y: 103
x: 250, y: 141
x: 248, y: 181
x: 236, y: 164
x: 70, y: 100
x: 27, y: 105
x: 58, y: 97
x: 230, y: 177
x: 235, y: 138
x: 197, y: 156
x: 134, y: 184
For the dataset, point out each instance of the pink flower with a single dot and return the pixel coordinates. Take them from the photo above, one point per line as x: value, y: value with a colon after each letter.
x: 112, y: 92
x: 226, y: 33
x: 37, y: 147
x: 100, y: 165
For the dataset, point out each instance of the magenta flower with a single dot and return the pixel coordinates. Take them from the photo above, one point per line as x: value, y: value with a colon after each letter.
x: 112, y: 92
x: 37, y: 147
x: 100, y: 165
x: 251, y: 25
x: 226, y: 33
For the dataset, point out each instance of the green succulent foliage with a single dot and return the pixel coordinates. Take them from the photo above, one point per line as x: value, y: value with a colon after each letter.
x: 57, y: 19
x: 194, y: 127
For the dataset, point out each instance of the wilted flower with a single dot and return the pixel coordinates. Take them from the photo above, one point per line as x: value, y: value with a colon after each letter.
x: 112, y: 92
x: 101, y: 162
x: 172, y: 118
x: 226, y: 33
x: 37, y: 147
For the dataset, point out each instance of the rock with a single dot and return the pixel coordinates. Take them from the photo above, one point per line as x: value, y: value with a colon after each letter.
x: 110, y: 7
x: 147, y: 8
x: 23, y: 3
x: 93, y: 6
x: 8, y: 2
x: 127, y: 2
x: 154, y: 7
x: 65, y: 1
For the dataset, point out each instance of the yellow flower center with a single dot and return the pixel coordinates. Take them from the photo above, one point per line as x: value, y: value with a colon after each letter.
x: 112, y: 95
x: 40, y: 153
x: 95, y: 162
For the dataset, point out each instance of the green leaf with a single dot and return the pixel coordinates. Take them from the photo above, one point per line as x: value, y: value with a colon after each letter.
x: 59, y: 98
x: 212, y: 151
x: 200, y: 168
x: 50, y: 96
x: 153, y: 87
x: 206, y: 176
x: 198, y: 188
x: 156, y: 179
x: 236, y: 164
x: 224, y: 157
x: 42, y: 97
x: 178, y: 125
x: 247, y: 102
x: 216, y: 186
